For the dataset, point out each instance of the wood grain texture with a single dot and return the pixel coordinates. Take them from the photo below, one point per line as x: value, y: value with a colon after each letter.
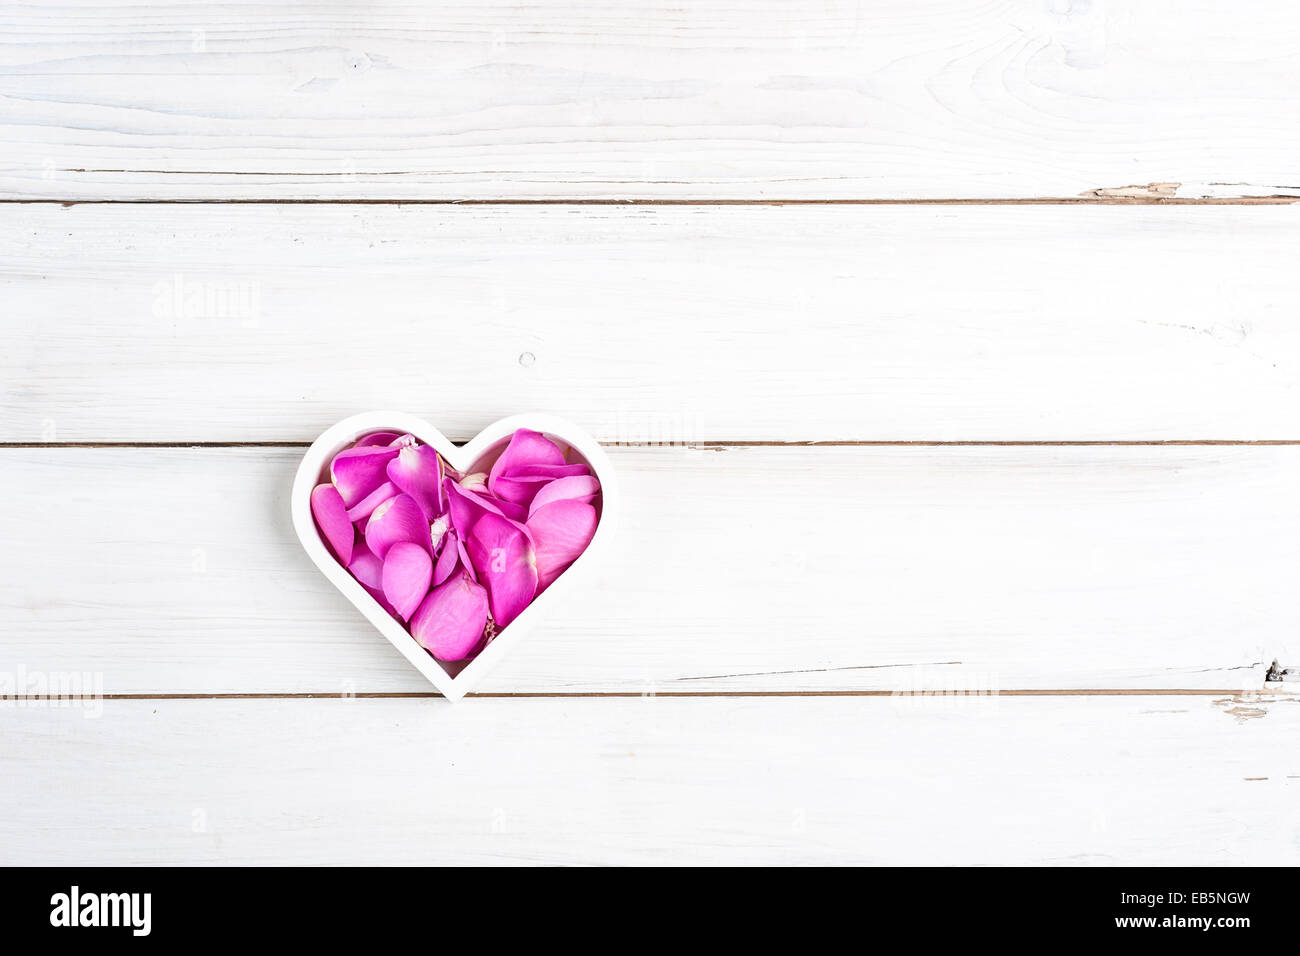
x: 1042, y: 572
x: 953, y: 781
x: 266, y: 322
x: 750, y: 569
x: 729, y: 99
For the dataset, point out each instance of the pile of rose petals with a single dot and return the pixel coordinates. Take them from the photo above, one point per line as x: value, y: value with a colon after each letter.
x: 455, y: 557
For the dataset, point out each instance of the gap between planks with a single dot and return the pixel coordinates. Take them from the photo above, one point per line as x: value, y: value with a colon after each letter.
x: 705, y: 445
x: 573, y: 695
x: 1278, y: 200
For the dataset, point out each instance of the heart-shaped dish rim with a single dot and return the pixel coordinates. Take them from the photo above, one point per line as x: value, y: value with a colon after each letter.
x: 313, y: 467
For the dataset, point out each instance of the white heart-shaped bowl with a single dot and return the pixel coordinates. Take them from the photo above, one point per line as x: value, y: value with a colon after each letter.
x: 454, y: 681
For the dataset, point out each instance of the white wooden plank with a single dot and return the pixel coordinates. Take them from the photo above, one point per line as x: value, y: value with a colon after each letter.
x: 1092, y: 781
x: 736, y: 98
x: 271, y: 322
x: 745, y: 569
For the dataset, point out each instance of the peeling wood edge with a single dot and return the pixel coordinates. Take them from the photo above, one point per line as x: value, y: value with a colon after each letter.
x: 1099, y: 197
x: 631, y: 694
x: 1149, y: 191
x: 711, y: 445
x: 1277, y: 673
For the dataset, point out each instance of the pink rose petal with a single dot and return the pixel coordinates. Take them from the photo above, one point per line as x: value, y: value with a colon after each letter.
x: 550, y: 471
x: 375, y: 438
x: 367, y: 505
x: 525, y: 448
x: 417, y: 470
x: 398, y: 519
x: 502, y: 554
x: 561, y: 531
x: 378, y: 595
x: 357, y: 472
x: 332, y: 522
x: 522, y: 485
x: 365, y: 567
x: 369, y: 572
x: 582, y: 488
x: 466, y: 507
x: 448, y: 559
x: 519, y: 491
x: 453, y: 559
x: 517, y: 513
x: 408, y: 570
x: 449, y: 623
x: 465, y: 562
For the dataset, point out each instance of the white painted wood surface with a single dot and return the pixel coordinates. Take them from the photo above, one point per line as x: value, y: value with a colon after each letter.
x: 1080, y: 781
x: 769, y: 569
x: 735, y: 98
x: 182, y: 323
x: 1045, y: 572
